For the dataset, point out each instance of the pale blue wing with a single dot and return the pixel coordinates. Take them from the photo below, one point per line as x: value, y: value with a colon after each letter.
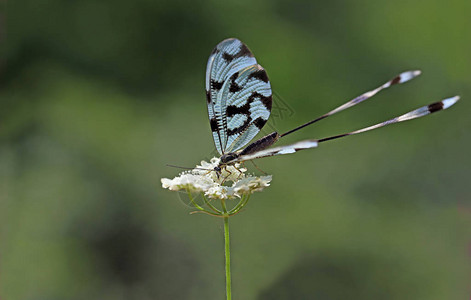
x: 247, y: 98
x: 227, y: 58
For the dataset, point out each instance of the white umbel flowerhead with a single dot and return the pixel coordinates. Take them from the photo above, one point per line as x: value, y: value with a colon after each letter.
x: 231, y: 182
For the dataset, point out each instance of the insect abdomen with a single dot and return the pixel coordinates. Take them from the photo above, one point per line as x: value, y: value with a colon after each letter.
x: 261, y: 144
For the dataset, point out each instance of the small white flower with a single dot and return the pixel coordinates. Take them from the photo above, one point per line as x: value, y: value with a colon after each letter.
x: 219, y: 192
x: 251, y: 184
x: 203, y: 179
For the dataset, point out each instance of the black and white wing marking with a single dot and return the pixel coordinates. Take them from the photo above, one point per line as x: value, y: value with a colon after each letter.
x: 249, y: 101
x: 238, y: 95
x: 416, y: 113
x: 307, y: 144
x: 287, y: 149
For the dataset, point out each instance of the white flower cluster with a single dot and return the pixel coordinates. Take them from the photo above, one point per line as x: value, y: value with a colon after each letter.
x: 203, y: 179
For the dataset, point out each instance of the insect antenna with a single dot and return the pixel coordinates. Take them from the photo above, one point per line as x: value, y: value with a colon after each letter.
x: 401, y: 78
x: 187, y: 168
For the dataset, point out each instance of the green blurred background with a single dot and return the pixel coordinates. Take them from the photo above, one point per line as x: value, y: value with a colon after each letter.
x: 97, y: 96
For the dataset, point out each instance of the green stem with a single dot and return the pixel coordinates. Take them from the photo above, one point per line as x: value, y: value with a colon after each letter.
x: 217, y: 211
x: 228, y: 257
x: 227, y: 250
x: 199, y: 207
x: 239, y: 206
x: 235, y: 208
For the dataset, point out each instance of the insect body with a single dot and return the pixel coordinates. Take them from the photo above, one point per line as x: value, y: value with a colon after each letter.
x: 239, y: 100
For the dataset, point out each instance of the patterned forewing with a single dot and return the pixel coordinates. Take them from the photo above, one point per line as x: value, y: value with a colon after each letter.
x: 227, y: 58
x: 248, y: 99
